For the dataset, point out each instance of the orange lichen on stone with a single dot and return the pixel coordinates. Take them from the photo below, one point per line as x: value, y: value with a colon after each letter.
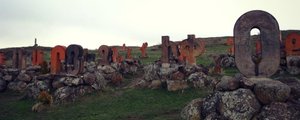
x: 57, y: 57
x: 292, y: 44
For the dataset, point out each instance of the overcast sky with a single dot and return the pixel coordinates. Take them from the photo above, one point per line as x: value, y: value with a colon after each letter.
x: 92, y: 23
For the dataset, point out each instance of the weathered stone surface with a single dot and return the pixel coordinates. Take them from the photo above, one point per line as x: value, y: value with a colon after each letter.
x: 189, y: 69
x: 43, y: 77
x: 174, y: 85
x: 2, y: 85
x: 116, y: 78
x: 293, y: 64
x: 83, y: 90
x: 167, y: 69
x: 100, y: 81
x: 8, y: 78
x: 294, y: 84
x: 42, y: 85
x: 107, y: 69
x: 215, y: 116
x: 139, y: 83
x: 32, y: 91
x: 193, y: 110
x: 12, y: 85
x: 34, y: 68
x: 57, y: 84
x: 247, y: 84
x: 240, y: 104
x: 275, y: 111
x: 268, y: 90
x: 24, y: 77
x: 151, y: 72
x: 89, y: 78
x: 70, y: 81
x: 155, y: 84
x: 91, y: 67
x: 12, y: 71
x: 198, y: 79
x: 227, y: 83
x: 210, y: 103
x: 227, y: 61
x: 177, y: 76
x: 64, y: 94
x: 294, y: 109
x: 21, y: 86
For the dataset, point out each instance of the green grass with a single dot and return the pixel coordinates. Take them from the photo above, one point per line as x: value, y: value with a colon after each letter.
x: 120, y: 104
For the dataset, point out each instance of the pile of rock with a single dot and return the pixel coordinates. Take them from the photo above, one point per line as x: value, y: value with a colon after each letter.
x: 227, y: 61
x: 64, y: 87
x: 248, y: 98
x: 173, y: 77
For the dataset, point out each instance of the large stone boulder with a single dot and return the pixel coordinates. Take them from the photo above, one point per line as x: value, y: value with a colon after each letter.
x: 227, y: 61
x: 210, y: 103
x: 155, y: 84
x: 268, y: 90
x: 177, y: 76
x: 90, y: 67
x: 174, y: 85
x: 64, y: 94
x: 198, y: 79
x: 294, y: 84
x: 73, y: 81
x: 227, y: 83
x: 116, y: 78
x: 24, y: 77
x: 106, y: 69
x: 89, y: 78
x: 43, y: 85
x: 240, y: 104
x: 32, y: 91
x: 193, y: 110
x: 19, y: 86
x: 100, y: 81
x: 151, y: 72
x: 275, y: 111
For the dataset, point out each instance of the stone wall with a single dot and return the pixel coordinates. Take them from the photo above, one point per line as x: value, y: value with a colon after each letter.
x: 241, y: 98
x: 64, y: 87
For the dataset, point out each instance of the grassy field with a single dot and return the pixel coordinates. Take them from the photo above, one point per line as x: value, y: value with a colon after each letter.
x: 115, y: 103
x: 132, y: 104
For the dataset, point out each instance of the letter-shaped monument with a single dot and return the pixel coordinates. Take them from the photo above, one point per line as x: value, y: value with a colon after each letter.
x: 268, y: 64
x: 58, y: 54
x: 143, y: 50
x: 292, y: 49
x: 292, y: 44
x: 74, y: 59
x: 37, y: 57
x: 104, y: 53
x: 19, y: 61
